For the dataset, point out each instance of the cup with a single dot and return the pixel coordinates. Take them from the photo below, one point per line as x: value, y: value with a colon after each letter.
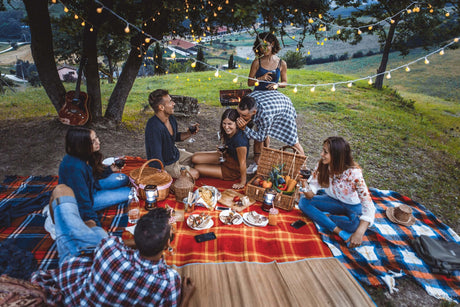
x: 273, y: 217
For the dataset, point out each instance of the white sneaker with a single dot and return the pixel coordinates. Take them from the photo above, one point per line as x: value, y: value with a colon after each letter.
x: 252, y: 169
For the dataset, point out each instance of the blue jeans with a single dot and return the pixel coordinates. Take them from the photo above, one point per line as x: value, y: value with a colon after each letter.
x: 73, y: 237
x: 344, y: 216
x: 113, y: 191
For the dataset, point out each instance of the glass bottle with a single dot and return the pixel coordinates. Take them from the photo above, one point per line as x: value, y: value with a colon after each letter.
x: 133, y: 207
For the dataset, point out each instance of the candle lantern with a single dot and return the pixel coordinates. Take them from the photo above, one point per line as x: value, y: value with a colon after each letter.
x: 151, y: 195
x: 269, y: 198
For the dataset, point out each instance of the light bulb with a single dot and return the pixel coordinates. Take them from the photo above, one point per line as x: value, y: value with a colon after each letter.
x: 447, y: 14
x: 147, y: 40
x: 370, y: 28
x: 426, y: 61
x: 66, y: 9
x: 91, y: 29
x: 177, y: 76
x: 127, y: 28
x: 392, y: 21
x: 333, y: 88
x: 456, y: 39
x: 312, y: 89
x: 409, y: 11
x: 275, y: 86
x: 235, y: 80
x: 310, y: 20
x: 173, y: 55
x: 338, y: 31
x: 320, y: 16
x: 216, y: 74
x: 441, y: 52
x: 295, y: 89
x: 257, y: 83
x: 388, y: 75
x: 99, y: 10
x: 193, y: 64
x: 407, y: 68
x: 53, y: 1
x: 75, y: 16
x: 350, y: 84
x: 308, y: 52
x: 82, y: 23
x: 359, y: 32
x: 370, y: 81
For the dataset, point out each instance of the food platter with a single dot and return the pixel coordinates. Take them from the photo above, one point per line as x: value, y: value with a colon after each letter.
x: 229, y: 217
x: 252, y: 218
x: 228, y: 196
x: 206, y: 223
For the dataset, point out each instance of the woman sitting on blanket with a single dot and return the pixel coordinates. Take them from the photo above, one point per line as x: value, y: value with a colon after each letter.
x: 237, y: 145
x: 346, y: 208
x: 96, y: 186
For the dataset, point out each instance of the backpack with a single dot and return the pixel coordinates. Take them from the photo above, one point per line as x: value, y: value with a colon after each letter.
x: 441, y: 256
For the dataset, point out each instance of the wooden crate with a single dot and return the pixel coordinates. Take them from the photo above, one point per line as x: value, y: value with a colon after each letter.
x: 268, y: 158
x: 232, y: 97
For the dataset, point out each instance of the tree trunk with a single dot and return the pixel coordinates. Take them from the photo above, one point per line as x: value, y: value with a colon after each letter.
x: 92, y: 72
x: 386, y: 52
x: 110, y: 77
x: 42, y: 50
x: 124, y: 84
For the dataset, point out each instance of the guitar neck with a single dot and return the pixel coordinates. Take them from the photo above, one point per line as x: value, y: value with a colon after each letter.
x: 80, y: 71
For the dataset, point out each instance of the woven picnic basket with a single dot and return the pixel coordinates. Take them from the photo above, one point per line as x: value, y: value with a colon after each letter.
x: 183, y: 185
x: 269, y: 158
x: 145, y: 175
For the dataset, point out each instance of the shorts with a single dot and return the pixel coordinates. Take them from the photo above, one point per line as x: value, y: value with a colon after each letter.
x: 230, y: 168
x: 185, y: 160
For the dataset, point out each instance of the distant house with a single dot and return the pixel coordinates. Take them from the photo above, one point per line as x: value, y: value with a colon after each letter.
x: 182, y: 44
x: 67, y: 73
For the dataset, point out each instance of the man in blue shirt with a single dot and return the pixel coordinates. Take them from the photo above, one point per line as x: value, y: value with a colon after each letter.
x: 161, y: 136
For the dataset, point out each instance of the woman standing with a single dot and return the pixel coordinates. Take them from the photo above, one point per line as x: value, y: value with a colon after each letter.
x: 237, y: 145
x: 96, y: 187
x: 346, y: 208
x: 269, y: 70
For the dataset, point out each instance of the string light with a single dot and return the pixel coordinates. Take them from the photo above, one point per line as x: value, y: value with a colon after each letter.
x: 235, y: 80
x: 173, y: 55
x: 66, y: 9
x: 99, y: 10
x: 388, y: 76
x: 441, y: 52
x: 127, y: 28
x: 426, y: 61
x: 216, y: 74
x: 370, y: 81
x: 407, y: 68
x: 333, y: 88
x: 193, y: 64
x: 295, y: 90
x: 256, y: 83
x: 312, y: 89
x: 350, y: 84
x: 275, y: 86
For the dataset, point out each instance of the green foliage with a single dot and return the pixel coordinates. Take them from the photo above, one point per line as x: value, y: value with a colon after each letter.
x: 231, y: 62
x: 294, y: 59
x: 200, y: 60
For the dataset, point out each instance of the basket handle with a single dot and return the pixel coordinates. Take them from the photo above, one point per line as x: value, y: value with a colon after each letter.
x: 295, y: 150
x: 146, y: 163
x: 191, y: 177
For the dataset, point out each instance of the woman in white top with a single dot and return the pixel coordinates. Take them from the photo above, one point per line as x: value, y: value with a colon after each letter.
x: 346, y: 208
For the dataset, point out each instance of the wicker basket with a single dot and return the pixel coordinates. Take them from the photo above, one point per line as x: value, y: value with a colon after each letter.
x: 140, y: 177
x: 183, y: 185
x: 268, y: 158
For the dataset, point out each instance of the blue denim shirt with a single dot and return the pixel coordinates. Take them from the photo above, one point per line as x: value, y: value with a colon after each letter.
x: 78, y: 175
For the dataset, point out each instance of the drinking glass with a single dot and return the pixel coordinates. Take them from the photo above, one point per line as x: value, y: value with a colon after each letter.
x: 120, y: 163
x: 222, y: 148
x: 192, y: 128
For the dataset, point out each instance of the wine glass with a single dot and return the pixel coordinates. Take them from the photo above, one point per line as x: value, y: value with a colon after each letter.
x: 120, y: 162
x: 222, y: 148
x: 305, y: 173
x: 192, y: 128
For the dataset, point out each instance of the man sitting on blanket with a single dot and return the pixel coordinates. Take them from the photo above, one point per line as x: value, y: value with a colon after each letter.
x: 274, y: 115
x: 97, y: 269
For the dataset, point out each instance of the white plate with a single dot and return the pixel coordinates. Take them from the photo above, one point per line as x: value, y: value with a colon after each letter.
x: 250, y: 222
x: 108, y: 161
x: 208, y: 225
x: 226, y: 213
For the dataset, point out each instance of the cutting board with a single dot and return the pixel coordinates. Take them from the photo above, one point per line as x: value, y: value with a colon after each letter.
x: 227, y: 196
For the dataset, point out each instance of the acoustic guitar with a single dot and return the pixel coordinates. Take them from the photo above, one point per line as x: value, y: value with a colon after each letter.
x: 75, y: 110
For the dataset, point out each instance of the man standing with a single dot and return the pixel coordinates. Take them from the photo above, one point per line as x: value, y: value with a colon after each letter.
x: 274, y: 115
x: 100, y: 270
x: 161, y: 134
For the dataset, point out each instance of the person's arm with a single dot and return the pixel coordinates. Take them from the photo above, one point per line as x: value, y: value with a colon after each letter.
x: 263, y: 128
x: 241, y: 152
x: 283, y: 75
x: 252, y: 73
x: 188, y: 288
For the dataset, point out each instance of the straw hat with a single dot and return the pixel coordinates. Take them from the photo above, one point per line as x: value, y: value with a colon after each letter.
x: 401, y: 215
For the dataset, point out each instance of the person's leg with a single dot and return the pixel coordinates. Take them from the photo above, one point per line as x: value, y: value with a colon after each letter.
x: 111, y: 181
x: 316, y: 207
x: 350, y: 220
x: 107, y: 198
x: 73, y: 236
x: 209, y: 170
x: 205, y: 157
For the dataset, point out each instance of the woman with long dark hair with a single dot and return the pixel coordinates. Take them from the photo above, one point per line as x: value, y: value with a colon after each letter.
x: 346, y: 207
x: 237, y: 145
x: 96, y: 187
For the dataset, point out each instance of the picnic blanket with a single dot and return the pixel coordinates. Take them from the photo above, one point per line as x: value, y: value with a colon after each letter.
x: 386, y: 252
x: 235, y: 243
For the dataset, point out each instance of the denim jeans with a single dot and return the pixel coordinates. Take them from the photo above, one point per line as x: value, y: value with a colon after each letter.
x: 342, y: 215
x: 73, y: 237
x: 113, y: 191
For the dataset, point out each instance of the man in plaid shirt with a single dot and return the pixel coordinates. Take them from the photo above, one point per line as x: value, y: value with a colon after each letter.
x: 111, y: 274
x: 273, y: 114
